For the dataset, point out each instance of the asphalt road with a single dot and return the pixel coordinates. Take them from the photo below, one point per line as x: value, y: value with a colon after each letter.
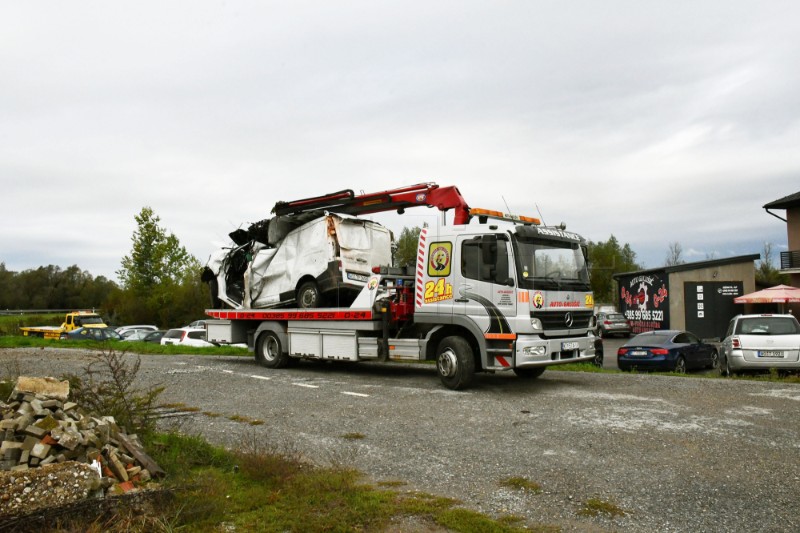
x: 673, y: 453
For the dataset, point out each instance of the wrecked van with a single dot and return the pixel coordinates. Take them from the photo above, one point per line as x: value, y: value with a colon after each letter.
x: 293, y: 261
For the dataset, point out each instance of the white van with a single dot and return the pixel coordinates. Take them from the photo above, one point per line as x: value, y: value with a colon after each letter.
x: 277, y: 263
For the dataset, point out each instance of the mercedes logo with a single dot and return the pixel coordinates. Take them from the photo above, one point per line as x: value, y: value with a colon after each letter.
x: 568, y: 319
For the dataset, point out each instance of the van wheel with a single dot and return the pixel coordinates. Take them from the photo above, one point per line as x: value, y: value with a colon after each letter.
x: 269, y: 352
x: 308, y: 296
x: 455, y: 363
x: 530, y: 373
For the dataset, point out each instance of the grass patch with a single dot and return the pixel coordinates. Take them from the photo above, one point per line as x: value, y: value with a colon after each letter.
x: 354, y: 436
x: 521, y: 483
x: 261, y: 488
x: 584, y: 367
x: 596, y: 506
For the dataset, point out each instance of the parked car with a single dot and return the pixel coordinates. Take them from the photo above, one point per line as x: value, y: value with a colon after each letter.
x: 155, y: 336
x: 761, y: 342
x: 608, y: 324
x: 668, y: 351
x: 186, y: 337
x: 197, y: 324
x: 92, y: 334
x: 123, y: 329
x: 135, y: 334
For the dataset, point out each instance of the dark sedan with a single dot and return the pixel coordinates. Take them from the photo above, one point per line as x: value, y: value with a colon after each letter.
x: 667, y: 351
x: 155, y: 336
x: 92, y: 334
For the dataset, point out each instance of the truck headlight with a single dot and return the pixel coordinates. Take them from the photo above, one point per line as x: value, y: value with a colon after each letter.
x: 536, y: 323
x: 535, y: 350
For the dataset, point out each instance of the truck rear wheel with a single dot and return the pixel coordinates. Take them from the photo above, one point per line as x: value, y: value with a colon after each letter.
x: 455, y: 363
x: 269, y: 352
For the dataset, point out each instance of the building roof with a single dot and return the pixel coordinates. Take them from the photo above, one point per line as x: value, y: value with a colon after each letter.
x: 793, y: 200
x: 695, y: 266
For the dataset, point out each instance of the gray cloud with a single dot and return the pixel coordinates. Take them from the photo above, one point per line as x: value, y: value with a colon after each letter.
x: 655, y: 122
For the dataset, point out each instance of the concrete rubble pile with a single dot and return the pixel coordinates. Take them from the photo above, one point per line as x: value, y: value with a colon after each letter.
x: 53, y: 454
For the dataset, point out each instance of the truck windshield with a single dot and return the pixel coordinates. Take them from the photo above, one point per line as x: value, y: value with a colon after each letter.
x: 551, y: 265
x: 86, y: 320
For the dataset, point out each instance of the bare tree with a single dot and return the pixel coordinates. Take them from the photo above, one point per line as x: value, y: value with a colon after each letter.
x: 674, y: 254
x: 766, y: 272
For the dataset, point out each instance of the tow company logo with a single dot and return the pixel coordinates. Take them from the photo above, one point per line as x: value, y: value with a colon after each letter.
x: 538, y: 300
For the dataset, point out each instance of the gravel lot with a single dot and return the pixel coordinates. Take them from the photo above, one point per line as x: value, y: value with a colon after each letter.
x: 676, y: 454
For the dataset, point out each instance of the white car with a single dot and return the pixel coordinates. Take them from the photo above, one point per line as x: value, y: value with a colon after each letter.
x: 186, y: 337
x: 123, y: 329
x: 135, y: 334
x: 761, y: 342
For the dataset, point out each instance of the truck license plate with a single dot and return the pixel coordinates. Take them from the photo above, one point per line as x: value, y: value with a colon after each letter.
x: 770, y: 353
x: 357, y: 277
x: 570, y: 346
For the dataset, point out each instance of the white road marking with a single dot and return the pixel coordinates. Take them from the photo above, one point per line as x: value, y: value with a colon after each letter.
x: 356, y: 394
x: 306, y: 385
x: 265, y: 378
x: 228, y: 371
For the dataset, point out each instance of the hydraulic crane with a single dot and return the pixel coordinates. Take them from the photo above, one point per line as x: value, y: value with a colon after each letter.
x: 348, y: 203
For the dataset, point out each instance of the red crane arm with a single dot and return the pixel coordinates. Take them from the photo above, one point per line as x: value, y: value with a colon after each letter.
x: 346, y: 202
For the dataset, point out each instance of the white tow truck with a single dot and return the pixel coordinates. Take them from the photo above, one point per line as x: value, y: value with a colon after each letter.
x: 492, y: 292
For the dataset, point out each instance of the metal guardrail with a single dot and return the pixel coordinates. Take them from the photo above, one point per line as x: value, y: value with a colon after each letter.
x: 790, y: 260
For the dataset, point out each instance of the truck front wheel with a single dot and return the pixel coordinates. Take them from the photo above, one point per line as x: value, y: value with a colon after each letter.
x: 533, y: 373
x: 269, y: 352
x: 455, y: 363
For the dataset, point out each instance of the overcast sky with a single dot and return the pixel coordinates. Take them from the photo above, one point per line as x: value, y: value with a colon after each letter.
x: 656, y: 122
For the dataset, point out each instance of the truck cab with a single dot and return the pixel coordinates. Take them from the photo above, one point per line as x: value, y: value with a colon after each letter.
x: 522, y: 290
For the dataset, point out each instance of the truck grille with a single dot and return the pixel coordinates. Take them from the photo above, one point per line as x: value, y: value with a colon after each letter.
x: 552, y: 320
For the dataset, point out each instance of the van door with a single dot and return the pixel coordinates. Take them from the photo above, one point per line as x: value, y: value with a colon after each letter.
x: 484, y: 288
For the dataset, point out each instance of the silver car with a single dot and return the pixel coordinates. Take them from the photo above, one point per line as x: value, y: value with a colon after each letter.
x: 761, y: 342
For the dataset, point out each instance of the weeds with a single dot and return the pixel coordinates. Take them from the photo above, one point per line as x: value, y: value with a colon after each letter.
x: 354, y: 436
x: 521, y: 483
x: 108, y: 389
x: 596, y: 506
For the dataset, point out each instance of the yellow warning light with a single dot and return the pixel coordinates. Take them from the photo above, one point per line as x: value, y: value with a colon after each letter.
x: 488, y: 213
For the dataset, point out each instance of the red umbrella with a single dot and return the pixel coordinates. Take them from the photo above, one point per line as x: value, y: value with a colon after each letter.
x: 780, y: 294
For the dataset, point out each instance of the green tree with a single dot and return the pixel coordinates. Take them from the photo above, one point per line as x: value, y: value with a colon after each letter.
x: 51, y: 287
x: 160, y: 279
x: 606, y: 259
x: 407, y: 247
x: 156, y: 257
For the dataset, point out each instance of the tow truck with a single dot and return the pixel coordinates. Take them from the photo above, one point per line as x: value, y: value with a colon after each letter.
x: 493, y: 292
x: 72, y: 320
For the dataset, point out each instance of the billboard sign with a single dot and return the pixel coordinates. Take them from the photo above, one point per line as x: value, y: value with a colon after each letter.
x: 644, y: 300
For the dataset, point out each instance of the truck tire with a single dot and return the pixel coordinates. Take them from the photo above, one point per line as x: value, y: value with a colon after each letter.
x: 533, y: 373
x: 269, y: 352
x: 455, y: 363
x: 308, y: 295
